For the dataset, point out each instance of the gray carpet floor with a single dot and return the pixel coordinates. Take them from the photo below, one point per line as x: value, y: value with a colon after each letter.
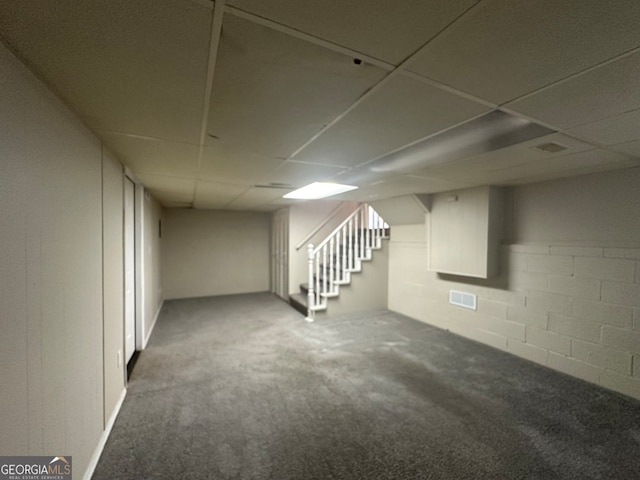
x: 240, y: 387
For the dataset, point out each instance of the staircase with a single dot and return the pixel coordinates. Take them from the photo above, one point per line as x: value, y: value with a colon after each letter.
x: 337, y: 257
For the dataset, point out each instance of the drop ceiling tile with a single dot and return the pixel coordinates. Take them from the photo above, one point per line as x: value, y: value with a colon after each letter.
x: 168, y: 190
x: 579, y: 170
x: 378, y: 28
x: 402, y: 111
x: 300, y: 174
x: 273, y: 92
x: 628, y: 148
x: 401, y: 185
x: 228, y: 164
x: 603, y: 92
x: 130, y: 67
x: 148, y: 156
x: 532, y: 171
x: 215, y: 195
x: 503, y: 49
x: 361, y: 177
x: 258, y: 199
x: 610, y: 131
x: 552, y: 166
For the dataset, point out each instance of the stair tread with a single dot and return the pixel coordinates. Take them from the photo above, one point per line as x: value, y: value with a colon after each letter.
x: 332, y: 266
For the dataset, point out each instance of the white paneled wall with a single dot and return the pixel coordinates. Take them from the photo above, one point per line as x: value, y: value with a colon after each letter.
x: 61, y: 318
x: 211, y: 252
x: 51, y: 317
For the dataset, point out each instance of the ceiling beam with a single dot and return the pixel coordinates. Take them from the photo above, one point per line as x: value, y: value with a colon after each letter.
x: 214, y: 43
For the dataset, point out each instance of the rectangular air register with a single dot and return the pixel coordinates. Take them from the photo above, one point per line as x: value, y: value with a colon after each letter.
x: 462, y: 299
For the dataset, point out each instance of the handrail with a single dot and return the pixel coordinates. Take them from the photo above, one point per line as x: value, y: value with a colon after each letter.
x: 340, y: 254
x: 319, y: 227
x: 326, y: 240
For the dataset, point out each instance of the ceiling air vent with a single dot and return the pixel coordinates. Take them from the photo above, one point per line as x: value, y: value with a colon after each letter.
x: 550, y: 148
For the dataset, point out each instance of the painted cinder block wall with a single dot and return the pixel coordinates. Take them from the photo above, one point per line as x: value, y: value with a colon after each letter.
x: 568, y: 292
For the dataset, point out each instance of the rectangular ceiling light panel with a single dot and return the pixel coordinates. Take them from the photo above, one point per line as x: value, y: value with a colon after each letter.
x: 317, y: 190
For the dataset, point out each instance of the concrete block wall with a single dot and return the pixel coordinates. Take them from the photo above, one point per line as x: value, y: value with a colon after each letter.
x: 568, y: 291
x: 573, y: 309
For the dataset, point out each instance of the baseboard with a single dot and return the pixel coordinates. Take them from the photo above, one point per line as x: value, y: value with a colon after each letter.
x: 97, y: 453
x: 153, y: 324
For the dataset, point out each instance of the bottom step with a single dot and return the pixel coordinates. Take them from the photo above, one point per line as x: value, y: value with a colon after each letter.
x: 299, y: 302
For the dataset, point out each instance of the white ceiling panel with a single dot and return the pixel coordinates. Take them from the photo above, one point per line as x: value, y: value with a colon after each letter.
x: 231, y: 165
x: 578, y: 170
x: 216, y: 195
x: 379, y: 28
x: 133, y: 67
x: 258, y: 199
x: 600, y: 93
x: 361, y: 177
x: 546, y: 167
x: 169, y: 189
x: 610, y: 131
x: 400, y: 185
x: 402, y: 111
x: 628, y: 148
x: 284, y: 81
x: 145, y: 155
x: 504, y: 49
x: 300, y: 174
x: 273, y: 92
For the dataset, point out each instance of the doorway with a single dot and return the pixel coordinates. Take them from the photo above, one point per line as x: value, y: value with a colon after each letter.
x: 280, y: 254
x: 129, y: 270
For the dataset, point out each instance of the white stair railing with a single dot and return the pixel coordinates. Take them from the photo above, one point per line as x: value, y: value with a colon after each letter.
x: 340, y: 254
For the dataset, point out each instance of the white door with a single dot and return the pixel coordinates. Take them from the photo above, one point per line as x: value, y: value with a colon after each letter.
x: 129, y: 270
x: 279, y: 254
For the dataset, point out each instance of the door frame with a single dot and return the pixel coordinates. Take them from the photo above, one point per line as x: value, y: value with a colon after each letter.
x: 280, y: 253
x: 129, y: 355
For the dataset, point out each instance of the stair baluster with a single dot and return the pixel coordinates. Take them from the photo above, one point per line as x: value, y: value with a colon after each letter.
x: 351, y: 242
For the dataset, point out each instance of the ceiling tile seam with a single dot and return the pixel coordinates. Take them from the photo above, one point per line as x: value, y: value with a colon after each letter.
x: 446, y: 88
x: 574, y: 75
x: 214, y: 43
x: 229, y: 184
x: 563, y: 131
x: 273, y: 172
x: 146, y: 137
x: 204, y: 3
x: 320, y: 42
x: 237, y: 197
x: 306, y: 162
x: 164, y: 175
x: 591, y: 122
x: 386, y: 79
x: 422, y: 139
x: 581, y: 171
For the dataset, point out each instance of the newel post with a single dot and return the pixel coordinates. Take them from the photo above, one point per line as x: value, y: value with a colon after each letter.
x: 311, y: 292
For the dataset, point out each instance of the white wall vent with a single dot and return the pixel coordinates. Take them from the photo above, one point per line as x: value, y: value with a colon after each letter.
x: 462, y: 299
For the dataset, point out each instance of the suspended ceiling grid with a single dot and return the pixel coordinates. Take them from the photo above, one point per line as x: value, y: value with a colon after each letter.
x: 229, y: 106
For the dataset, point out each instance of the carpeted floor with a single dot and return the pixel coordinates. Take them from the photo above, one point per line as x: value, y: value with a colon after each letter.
x: 240, y: 387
